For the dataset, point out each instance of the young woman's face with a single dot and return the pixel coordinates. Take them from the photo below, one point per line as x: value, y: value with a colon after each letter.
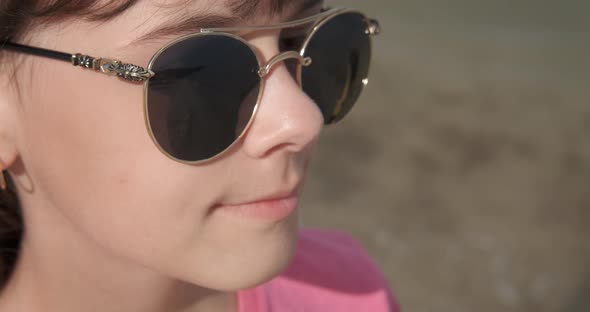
x: 82, y: 141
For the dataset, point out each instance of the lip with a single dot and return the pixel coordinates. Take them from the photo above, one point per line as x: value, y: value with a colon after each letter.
x: 269, y: 210
x: 272, y: 207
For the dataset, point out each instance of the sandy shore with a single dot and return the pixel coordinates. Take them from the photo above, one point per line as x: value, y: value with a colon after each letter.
x: 465, y: 168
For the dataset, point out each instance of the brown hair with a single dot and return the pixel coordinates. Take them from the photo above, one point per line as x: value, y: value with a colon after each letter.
x: 16, y: 18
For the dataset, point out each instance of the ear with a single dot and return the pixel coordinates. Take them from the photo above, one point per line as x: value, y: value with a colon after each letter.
x: 8, y: 117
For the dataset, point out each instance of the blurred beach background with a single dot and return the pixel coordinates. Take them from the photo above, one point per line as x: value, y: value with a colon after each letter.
x: 465, y: 168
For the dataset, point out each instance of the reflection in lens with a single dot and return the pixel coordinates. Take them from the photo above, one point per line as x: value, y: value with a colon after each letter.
x: 201, y: 96
x: 341, y: 51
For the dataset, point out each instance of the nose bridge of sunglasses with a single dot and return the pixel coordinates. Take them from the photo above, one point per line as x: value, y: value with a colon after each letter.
x: 265, y: 70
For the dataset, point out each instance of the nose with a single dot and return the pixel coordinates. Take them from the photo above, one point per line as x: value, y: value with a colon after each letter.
x: 286, y: 120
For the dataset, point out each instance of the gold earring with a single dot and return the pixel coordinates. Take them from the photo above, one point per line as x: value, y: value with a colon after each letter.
x: 2, y: 181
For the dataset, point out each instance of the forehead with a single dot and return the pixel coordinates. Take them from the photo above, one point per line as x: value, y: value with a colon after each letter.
x: 172, y: 18
x: 249, y: 8
x: 245, y: 9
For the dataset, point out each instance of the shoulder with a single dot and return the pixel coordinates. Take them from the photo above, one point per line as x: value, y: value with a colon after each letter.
x: 331, y: 271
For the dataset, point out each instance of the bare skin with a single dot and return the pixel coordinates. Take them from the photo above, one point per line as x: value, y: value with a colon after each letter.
x: 112, y: 224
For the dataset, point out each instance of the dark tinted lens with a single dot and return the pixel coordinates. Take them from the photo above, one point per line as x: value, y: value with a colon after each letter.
x: 203, y: 95
x: 340, y: 50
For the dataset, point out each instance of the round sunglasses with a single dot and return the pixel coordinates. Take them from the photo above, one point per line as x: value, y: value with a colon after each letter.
x: 202, y: 91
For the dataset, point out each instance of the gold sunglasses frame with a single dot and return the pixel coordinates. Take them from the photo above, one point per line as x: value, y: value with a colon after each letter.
x: 137, y: 74
x: 264, y: 69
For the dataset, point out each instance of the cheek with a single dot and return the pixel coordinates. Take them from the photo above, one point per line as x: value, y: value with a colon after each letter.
x: 88, y: 152
x: 84, y: 132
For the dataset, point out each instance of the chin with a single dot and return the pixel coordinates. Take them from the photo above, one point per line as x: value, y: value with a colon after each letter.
x: 265, y: 260
x: 258, y: 260
x: 263, y: 274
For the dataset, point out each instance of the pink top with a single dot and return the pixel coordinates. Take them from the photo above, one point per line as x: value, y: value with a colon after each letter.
x: 331, y: 271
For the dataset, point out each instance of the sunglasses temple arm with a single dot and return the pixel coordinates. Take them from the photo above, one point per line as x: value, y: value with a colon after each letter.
x: 128, y: 72
x: 10, y: 46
